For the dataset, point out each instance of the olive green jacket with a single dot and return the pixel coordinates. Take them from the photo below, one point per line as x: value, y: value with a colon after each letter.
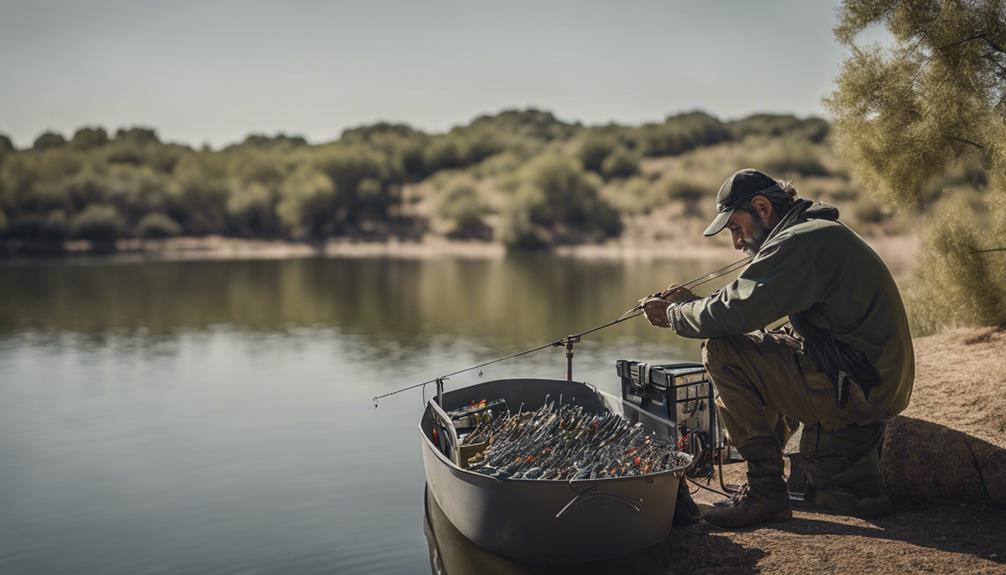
x: 814, y: 266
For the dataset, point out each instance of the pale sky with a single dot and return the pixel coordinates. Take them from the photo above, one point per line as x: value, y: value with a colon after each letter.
x: 215, y: 71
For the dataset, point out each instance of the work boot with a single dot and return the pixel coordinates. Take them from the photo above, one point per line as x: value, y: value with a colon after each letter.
x: 842, y: 469
x: 763, y: 499
x: 686, y: 512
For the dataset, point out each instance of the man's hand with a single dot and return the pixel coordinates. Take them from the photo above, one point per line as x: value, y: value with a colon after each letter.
x: 655, y: 309
x: 677, y: 294
x: 655, y: 306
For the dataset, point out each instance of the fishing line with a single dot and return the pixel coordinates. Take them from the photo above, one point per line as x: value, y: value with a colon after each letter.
x: 633, y: 312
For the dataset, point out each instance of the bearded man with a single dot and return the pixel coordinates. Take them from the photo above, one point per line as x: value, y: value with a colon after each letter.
x: 843, y: 366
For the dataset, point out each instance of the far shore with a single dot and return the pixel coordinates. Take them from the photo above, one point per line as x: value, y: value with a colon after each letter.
x: 898, y: 251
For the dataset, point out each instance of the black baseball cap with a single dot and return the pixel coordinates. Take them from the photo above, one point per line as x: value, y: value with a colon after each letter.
x: 736, y: 191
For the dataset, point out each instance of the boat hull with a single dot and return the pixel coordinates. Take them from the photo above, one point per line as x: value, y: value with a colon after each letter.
x: 551, y: 520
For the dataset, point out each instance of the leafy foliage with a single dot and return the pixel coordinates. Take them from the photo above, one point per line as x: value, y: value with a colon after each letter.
x: 521, y: 174
x: 910, y: 116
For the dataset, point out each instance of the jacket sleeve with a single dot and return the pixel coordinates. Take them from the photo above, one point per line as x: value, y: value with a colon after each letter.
x: 781, y: 280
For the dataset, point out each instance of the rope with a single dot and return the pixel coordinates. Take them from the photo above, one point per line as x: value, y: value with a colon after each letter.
x: 629, y: 314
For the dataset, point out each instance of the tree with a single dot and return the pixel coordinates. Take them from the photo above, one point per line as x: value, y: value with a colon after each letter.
x: 97, y: 223
x: 307, y: 204
x: 87, y: 137
x: 905, y: 113
x: 902, y: 114
x: 558, y: 202
x: 49, y: 140
x: 6, y: 144
x: 461, y: 205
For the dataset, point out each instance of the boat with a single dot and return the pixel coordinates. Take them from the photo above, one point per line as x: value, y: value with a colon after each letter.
x: 546, y: 520
x: 451, y: 553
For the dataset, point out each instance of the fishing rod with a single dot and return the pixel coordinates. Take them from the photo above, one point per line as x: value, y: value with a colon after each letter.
x: 569, y: 340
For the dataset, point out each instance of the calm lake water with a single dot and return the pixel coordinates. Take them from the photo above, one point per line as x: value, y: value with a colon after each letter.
x: 216, y: 417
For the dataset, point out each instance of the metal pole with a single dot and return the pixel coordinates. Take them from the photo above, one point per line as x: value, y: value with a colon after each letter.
x: 570, y: 340
x: 440, y: 392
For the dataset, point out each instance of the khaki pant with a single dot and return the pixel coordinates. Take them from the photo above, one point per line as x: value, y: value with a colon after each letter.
x: 762, y: 377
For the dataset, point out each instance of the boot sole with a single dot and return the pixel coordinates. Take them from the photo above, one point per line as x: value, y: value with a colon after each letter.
x: 777, y: 517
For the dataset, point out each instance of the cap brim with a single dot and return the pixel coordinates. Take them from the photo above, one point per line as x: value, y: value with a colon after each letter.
x: 719, y: 222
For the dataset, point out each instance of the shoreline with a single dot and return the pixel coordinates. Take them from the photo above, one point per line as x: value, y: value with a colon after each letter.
x: 898, y: 251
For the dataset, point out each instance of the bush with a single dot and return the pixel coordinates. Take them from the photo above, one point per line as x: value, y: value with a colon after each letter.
x: 251, y: 210
x: 461, y: 205
x: 308, y: 204
x: 955, y: 283
x: 790, y: 157
x: 156, y: 226
x: 679, y: 134
x: 6, y: 144
x: 868, y: 211
x: 48, y: 141
x: 594, y: 149
x: 518, y: 231
x: 46, y: 226
x: 688, y: 193
x: 97, y: 223
x: 621, y: 163
x: 558, y: 202
x: 87, y: 138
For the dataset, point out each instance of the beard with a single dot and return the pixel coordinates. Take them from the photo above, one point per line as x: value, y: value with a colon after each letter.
x: 758, y: 235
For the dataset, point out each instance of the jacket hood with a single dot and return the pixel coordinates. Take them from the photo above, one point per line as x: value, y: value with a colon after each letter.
x: 802, y: 211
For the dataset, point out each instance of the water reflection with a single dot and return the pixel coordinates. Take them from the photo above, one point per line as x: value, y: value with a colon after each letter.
x: 396, y: 306
x: 451, y: 553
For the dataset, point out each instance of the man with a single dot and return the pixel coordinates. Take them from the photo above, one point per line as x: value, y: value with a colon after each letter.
x: 843, y: 366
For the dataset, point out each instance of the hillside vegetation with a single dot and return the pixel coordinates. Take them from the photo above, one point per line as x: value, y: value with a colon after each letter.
x: 523, y: 177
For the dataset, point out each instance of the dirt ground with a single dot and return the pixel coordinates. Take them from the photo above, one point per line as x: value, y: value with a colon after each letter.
x: 960, y: 391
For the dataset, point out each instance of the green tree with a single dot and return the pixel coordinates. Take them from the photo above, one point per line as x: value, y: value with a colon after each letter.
x: 558, y: 202
x: 97, y: 223
x: 49, y: 140
x: 462, y: 206
x: 906, y: 113
x: 87, y: 137
x: 308, y: 203
x: 594, y: 148
x: 620, y: 163
x: 6, y: 144
x: 157, y: 225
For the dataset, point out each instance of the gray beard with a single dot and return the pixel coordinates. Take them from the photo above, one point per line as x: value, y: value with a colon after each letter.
x: 752, y: 245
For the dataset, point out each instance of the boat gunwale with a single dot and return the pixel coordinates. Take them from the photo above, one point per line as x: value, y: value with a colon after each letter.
x: 568, y: 482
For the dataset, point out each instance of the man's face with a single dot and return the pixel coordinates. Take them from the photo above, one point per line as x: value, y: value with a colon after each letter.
x: 747, y: 231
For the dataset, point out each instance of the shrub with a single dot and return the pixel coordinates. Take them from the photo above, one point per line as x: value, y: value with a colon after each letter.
x: 621, y: 163
x: 558, y: 202
x: 954, y: 282
x: 461, y: 205
x: 251, y: 209
x: 6, y: 144
x: 867, y: 210
x: 48, y: 141
x: 97, y: 223
x: 688, y: 193
x: 519, y: 232
x: 87, y: 138
x: 593, y: 150
x: 156, y: 226
x: 308, y: 203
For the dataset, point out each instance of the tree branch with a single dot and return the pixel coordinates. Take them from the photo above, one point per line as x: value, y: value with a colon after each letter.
x: 979, y: 36
x: 968, y: 142
x: 974, y: 251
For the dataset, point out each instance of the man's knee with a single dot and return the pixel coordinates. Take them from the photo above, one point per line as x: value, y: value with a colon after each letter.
x: 718, y: 351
